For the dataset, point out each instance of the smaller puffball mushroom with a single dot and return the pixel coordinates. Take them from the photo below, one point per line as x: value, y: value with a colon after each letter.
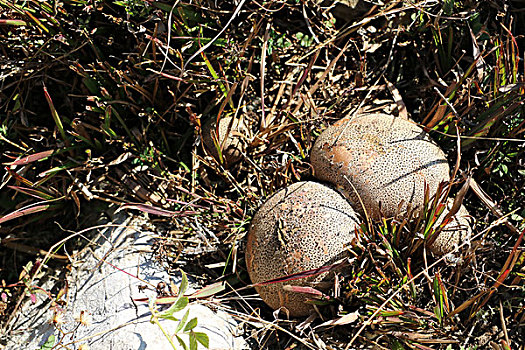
x: 228, y: 137
x: 457, y: 231
x: 301, y: 227
x: 380, y: 160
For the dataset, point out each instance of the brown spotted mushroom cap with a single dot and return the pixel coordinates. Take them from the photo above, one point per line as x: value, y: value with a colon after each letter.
x: 387, y: 159
x: 230, y: 137
x: 457, y: 231
x: 302, y: 227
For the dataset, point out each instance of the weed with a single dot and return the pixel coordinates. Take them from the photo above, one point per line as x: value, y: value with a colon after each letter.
x: 185, y: 326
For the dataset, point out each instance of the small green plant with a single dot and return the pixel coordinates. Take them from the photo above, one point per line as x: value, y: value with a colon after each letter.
x: 304, y: 39
x: 184, y: 327
x: 49, y: 343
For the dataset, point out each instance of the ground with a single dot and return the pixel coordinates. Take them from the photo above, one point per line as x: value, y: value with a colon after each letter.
x: 105, y: 102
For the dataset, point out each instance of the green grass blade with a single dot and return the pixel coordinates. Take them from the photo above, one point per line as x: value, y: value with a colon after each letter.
x: 55, y: 115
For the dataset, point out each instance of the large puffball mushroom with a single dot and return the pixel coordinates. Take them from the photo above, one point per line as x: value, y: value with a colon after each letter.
x: 227, y: 136
x: 387, y: 159
x: 301, y: 227
x: 456, y: 232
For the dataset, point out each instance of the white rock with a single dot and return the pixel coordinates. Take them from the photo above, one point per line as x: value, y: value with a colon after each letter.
x: 109, y: 296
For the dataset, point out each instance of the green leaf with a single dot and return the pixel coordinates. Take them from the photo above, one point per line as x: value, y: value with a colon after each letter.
x: 212, y: 289
x: 55, y: 115
x: 49, y: 344
x: 169, y: 317
x: 178, y: 305
x: 216, y: 78
x: 203, y: 339
x: 107, y: 123
x: 91, y: 85
x: 439, y: 310
x: 193, y: 341
x: 192, y: 324
x: 13, y: 22
x: 182, y: 322
x: 184, y: 284
x: 181, y: 342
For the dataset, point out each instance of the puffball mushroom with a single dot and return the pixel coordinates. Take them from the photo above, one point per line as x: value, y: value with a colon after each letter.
x: 457, y: 231
x: 301, y: 227
x: 387, y: 159
x: 227, y: 135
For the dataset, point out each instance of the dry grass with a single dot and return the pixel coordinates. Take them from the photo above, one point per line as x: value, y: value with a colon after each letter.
x: 104, y: 102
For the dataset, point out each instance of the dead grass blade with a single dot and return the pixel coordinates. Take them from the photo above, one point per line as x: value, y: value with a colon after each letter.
x: 28, y: 210
x: 341, y: 321
x: 32, y: 192
x: 475, y: 303
x: 209, y: 290
x: 458, y: 200
x: 202, y: 49
x: 304, y: 274
x: 9, y: 243
x: 34, y: 157
x: 491, y: 205
x: 155, y: 210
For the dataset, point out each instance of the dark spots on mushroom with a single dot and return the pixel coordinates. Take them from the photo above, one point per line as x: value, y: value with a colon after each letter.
x: 457, y: 231
x: 387, y: 159
x: 318, y: 232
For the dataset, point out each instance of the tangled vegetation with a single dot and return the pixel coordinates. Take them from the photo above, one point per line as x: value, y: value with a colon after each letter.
x: 103, y: 103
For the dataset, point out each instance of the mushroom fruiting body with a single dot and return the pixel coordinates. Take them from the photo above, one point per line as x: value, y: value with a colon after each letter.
x: 457, y: 231
x: 227, y: 136
x: 386, y: 160
x: 301, y: 227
